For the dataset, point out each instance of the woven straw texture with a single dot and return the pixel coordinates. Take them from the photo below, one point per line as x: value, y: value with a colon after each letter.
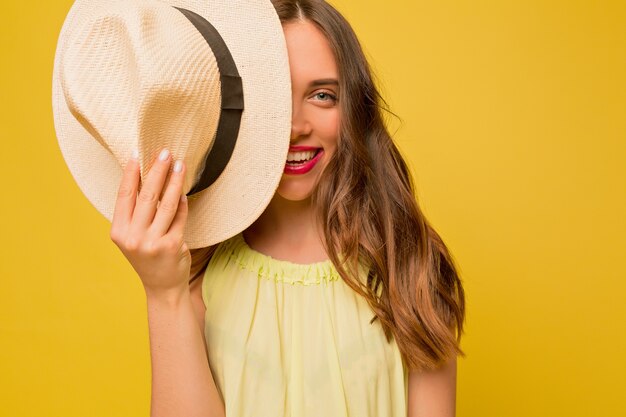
x: 138, y: 75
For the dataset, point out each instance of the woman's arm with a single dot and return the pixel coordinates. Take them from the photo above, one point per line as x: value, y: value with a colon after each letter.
x: 433, y: 393
x: 182, y: 384
x: 149, y: 232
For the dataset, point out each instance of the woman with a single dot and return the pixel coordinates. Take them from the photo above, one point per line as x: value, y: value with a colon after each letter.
x: 345, y: 206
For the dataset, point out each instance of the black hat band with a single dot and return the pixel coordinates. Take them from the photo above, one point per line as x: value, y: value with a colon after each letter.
x: 231, y: 108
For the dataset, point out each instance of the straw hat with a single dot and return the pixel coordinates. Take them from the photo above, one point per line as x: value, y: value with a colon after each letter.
x: 207, y: 79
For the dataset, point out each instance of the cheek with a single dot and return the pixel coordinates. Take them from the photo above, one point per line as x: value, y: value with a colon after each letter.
x: 329, y: 131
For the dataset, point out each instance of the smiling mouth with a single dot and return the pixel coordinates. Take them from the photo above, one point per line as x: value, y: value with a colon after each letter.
x: 301, y: 159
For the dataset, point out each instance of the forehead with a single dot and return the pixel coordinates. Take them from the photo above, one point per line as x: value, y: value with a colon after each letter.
x: 310, y: 55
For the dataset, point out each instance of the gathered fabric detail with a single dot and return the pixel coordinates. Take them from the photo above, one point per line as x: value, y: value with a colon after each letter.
x: 266, y: 267
x: 308, y: 349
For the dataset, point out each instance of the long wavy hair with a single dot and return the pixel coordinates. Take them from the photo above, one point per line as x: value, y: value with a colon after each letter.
x: 369, y: 212
x: 367, y: 206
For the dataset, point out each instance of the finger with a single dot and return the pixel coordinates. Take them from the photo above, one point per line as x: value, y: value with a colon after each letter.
x: 126, y: 197
x: 180, y: 219
x: 151, y: 192
x: 169, y: 203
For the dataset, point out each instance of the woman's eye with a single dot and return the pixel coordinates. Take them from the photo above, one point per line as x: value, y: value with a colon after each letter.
x: 325, y: 96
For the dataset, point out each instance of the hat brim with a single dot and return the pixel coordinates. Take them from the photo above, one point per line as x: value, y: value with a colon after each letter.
x: 254, y: 36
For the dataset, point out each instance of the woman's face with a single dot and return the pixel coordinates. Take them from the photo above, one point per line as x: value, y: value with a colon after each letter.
x: 315, y: 117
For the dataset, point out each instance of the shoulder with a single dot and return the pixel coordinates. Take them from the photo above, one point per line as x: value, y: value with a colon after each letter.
x: 200, y: 260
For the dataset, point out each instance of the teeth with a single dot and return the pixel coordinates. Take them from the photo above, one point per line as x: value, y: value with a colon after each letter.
x: 300, y: 156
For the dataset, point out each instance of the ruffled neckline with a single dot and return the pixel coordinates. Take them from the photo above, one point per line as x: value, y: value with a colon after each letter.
x: 266, y: 267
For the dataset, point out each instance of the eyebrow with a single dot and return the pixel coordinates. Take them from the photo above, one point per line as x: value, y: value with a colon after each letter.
x: 324, y: 81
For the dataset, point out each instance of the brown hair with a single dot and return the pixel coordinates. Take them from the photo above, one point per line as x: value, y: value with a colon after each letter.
x: 369, y: 212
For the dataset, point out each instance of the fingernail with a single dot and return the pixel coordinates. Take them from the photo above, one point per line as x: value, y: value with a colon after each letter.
x: 135, y: 154
x: 183, y: 198
x: 178, y: 166
x: 164, y: 154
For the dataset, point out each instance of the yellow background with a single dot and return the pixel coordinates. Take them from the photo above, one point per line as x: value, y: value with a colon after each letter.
x: 514, y: 124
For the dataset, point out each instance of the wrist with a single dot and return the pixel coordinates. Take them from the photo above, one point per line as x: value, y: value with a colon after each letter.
x: 170, y: 297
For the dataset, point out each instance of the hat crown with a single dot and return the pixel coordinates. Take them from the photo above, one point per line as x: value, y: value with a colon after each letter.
x: 96, y: 149
x: 139, y: 75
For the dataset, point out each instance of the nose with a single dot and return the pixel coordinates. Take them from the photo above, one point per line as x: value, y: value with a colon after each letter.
x: 300, y: 125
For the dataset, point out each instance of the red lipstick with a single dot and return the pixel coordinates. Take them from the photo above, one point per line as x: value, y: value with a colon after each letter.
x: 303, y: 167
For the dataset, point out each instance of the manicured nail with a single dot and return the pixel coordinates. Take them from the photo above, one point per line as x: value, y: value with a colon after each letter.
x: 164, y: 154
x: 178, y: 166
x: 135, y: 154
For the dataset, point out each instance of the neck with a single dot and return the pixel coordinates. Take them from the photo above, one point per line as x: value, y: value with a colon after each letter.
x: 288, y: 229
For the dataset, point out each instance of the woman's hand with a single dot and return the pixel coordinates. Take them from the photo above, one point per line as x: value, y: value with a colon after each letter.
x: 151, y: 237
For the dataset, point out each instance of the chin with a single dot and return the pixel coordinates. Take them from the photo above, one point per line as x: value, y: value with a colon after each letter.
x: 296, y: 189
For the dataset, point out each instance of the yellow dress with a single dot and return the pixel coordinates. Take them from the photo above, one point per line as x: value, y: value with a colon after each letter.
x: 294, y: 340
